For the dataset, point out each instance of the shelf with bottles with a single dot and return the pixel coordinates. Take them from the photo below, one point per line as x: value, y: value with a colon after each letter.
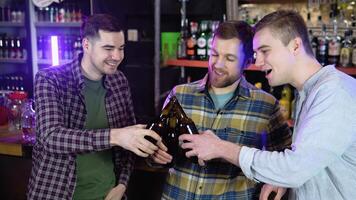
x: 12, y: 24
x: 197, y: 63
x: 59, y: 13
x: 13, y: 60
x: 12, y: 49
x: 204, y: 64
x: 67, y: 47
x: 59, y: 24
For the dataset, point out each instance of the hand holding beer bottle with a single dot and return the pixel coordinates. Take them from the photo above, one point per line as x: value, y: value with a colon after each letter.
x: 171, y: 124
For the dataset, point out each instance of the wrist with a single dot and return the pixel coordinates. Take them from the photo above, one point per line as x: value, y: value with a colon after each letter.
x: 115, y: 137
x: 230, y: 152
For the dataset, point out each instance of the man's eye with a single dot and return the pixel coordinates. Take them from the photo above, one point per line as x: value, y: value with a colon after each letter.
x: 231, y: 59
x: 214, y: 54
x: 264, y: 51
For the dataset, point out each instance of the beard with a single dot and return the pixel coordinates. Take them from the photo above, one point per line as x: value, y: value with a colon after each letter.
x: 222, y: 79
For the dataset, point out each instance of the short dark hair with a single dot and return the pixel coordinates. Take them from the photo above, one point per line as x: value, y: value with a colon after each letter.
x: 286, y: 25
x: 240, y: 30
x: 92, y: 24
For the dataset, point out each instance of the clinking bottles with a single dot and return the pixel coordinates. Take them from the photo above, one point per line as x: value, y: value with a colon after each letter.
x: 171, y: 124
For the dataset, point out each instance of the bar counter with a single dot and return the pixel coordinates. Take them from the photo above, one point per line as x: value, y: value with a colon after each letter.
x: 15, y: 169
x: 15, y: 164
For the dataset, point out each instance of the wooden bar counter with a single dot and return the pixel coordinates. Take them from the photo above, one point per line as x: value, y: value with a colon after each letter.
x: 15, y: 169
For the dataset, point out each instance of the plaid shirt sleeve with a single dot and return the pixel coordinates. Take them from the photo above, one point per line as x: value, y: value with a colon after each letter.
x: 124, y: 159
x: 279, y: 134
x: 50, y: 124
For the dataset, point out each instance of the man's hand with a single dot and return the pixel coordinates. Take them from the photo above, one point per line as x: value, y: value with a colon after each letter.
x: 116, y: 193
x: 207, y: 146
x: 132, y: 139
x: 267, y: 189
x: 161, y: 156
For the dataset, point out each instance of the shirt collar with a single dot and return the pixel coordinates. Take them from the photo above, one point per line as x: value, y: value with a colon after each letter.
x: 79, y: 76
x: 309, y: 84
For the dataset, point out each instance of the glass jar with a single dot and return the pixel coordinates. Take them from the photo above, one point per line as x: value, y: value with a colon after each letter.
x: 3, y: 110
x: 16, y: 100
x: 28, y: 121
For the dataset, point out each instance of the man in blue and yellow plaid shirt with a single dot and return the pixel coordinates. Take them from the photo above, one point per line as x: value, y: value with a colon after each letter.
x: 225, y: 105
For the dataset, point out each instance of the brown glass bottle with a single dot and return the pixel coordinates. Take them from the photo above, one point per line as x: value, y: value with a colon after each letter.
x: 160, y: 125
x: 185, y: 126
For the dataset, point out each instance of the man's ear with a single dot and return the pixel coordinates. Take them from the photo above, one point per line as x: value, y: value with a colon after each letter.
x: 85, y: 44
x: 296, y: 45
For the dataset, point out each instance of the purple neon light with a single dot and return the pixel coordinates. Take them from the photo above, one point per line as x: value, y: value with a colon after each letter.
x: 54, y: 46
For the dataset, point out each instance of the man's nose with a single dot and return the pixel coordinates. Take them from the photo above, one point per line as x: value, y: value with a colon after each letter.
x: 117, y: 55
x: 259, y: 62
x: 220, y: 62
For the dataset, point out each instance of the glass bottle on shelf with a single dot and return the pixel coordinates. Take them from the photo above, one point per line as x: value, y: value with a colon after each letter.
x: 182, y: 40
x: 346, y: 50
x: 28, y: 121
x: 354, y: 54
x: 16, y: 100
x: 192, y: 41
x: 334, y: 44
x: 202, y: 41
x: 322, y: 51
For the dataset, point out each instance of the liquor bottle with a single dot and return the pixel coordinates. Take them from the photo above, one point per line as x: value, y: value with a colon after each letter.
x: 309, y: 22
x: 313, y: 42
x: 285, y: 102
x: 13, y: 48
x: 346, y: 50
x: 1, y: 47
x: 354, y: 54
x: 28, y: 121
x: 182, y: 40
x: 19, y: 49
x: 40, y: 47
x: 202, y: 42
x: 322, y: 50
x: 334, y: 45
x: 213, y: 26
x: 192, y: 41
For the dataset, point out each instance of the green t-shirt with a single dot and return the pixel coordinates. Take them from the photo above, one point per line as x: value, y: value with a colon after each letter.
x: 220, y: 99
x: 95, y: 171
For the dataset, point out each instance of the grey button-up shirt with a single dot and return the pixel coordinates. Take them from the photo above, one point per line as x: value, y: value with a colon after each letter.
x: 322, y: 162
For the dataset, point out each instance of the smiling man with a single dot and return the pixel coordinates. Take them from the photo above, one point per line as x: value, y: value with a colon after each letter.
x: 224, y: 104
x: 85, y: 132
x: 322, y: 162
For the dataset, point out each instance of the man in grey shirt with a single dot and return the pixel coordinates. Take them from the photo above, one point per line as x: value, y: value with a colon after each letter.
x: 322, y: 161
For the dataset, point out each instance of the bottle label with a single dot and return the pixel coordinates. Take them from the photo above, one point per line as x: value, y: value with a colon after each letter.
x: 201, y: 52
x: 201, y: 43
x: 345, y: 56
x: 334, y: 48
x: 354, y: 57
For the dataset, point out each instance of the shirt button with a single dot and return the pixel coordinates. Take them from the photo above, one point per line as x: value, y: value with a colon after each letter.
x: 200, y: 187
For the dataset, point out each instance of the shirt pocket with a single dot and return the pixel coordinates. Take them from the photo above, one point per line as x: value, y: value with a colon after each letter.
x: 242, y: 137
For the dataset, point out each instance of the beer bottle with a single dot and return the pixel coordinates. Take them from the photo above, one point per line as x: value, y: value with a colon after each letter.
x: 161, y: 124
x: 185, y: 126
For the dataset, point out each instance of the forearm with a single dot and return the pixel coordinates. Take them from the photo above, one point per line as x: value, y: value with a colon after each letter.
x: 229, y: 152
x: 61, y: 140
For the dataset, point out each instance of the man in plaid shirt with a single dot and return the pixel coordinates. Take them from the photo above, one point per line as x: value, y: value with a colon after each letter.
x: 85, y: 122
x: 226, y: 108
